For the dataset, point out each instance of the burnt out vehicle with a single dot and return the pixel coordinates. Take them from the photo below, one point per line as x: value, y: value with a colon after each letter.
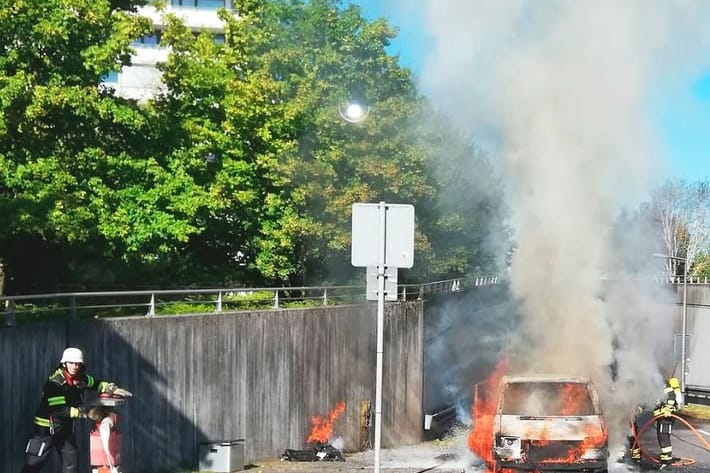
x: 549, y: 423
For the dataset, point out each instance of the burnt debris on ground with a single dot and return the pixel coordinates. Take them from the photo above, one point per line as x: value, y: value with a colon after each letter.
x: 318, y: 451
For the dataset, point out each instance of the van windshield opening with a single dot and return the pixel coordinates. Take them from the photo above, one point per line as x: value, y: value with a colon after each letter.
x: 547, y: 399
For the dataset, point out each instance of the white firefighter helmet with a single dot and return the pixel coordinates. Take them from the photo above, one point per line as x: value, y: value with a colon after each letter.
x: 72, y: 355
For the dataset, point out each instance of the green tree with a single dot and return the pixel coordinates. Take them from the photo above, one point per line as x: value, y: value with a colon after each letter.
x: 242, y: 170
x: 466, y: 223
x: 81, y: 171
x: 701, y: 268
x: 287, y: 168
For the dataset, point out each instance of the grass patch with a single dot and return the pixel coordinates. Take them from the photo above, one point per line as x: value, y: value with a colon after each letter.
x: 184, y: 307
x: 699, y: 411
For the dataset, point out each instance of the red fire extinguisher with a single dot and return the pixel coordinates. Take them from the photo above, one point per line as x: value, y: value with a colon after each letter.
x: 105, y: 437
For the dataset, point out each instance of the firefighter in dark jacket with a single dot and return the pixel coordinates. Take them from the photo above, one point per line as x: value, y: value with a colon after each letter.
x: 664, y: 411
x: 640, y: 418
x: 61, y: 404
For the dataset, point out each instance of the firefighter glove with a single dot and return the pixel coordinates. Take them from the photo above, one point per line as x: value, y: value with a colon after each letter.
x: 122, y: 392
x: 110, y: 389
x: 77, y: 412
x: 667, y: 412
x: 94, y: 414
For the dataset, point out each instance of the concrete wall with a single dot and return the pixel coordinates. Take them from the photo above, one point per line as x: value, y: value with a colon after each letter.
x: 259, y: 376
x: 697, y: 329
x: 697, y: 334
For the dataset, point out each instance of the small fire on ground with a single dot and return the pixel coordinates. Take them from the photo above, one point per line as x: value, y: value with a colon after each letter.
x: 319, y: 447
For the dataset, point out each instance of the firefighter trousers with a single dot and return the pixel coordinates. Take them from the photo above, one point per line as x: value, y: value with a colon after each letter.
x: 664, y: 427
x: 39, y: 448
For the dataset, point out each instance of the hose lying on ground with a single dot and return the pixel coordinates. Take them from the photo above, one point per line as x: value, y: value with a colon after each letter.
x: 680, y: 462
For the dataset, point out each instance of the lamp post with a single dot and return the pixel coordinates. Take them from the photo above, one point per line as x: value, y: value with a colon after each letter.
x: 353, y: 112
x: 684, y: 319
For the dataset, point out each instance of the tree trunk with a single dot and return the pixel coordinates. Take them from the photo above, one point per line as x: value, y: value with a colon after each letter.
x: 2, y: 277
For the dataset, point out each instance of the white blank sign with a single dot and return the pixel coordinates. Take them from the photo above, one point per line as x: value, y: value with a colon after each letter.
x: 390, y: 284
x: 398, y: 234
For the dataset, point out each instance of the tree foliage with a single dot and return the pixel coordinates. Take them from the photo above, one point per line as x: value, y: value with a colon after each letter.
x: 242, y: 171
x: 81, y: 172
x: 682, y: 210
x: 291, y: 168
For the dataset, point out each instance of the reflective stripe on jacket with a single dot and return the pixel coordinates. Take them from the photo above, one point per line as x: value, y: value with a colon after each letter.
x: 61, y: 400
x: 671, y: 405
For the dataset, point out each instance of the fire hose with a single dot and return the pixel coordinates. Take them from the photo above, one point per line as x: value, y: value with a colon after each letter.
x: 104, y: 433
x: 108, y: 422
x: 681, y: 461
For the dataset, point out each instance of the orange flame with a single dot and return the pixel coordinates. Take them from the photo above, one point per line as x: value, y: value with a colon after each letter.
x: 592, y: 440
x: 323, y: 426
x: 480, y: 440
x: 573, y: 395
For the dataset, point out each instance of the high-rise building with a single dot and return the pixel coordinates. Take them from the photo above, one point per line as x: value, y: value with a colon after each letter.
x: 142, y: 80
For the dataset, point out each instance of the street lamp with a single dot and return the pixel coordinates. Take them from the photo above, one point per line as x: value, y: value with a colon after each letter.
x: 684, y: 321
x: 353, y: 112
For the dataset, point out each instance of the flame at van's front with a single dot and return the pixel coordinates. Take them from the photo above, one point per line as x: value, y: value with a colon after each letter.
x: 480, y: 440
x: 593, y: 440
x: 531, y: 421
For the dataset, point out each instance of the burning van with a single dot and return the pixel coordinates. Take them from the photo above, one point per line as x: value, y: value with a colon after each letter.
x: 548, y: 423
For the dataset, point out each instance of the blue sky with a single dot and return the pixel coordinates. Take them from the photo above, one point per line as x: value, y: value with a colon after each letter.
x: 681, y: 112
x: 684, y: 117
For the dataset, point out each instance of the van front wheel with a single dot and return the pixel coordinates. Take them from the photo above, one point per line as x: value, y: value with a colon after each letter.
x: 498, y: 469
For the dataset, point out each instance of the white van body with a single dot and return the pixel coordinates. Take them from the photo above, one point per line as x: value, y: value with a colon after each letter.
x: 549, y: 423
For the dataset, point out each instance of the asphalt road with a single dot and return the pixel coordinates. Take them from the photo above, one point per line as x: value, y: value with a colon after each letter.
x: 686, y: 444
x: 452, y: 456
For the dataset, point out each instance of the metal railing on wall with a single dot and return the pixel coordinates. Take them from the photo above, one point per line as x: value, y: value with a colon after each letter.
x: 149, y: 303
x: 691, y: 280
x: 657, y: 278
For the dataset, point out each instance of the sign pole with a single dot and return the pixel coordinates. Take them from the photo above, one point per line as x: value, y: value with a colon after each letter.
x: 380, y: 331
x: 370, y: 249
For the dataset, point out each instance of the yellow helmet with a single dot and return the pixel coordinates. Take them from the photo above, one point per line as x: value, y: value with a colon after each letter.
x: 673, y: 383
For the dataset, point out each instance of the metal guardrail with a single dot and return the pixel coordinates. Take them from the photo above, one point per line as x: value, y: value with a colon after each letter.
x: 150, y: 303
x: 691, y: 280
x: 697, y: 395
x: 660, y: 279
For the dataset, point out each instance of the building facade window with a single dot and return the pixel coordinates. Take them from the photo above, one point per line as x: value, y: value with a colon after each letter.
x: 148, y: 40
x: 110, y: 77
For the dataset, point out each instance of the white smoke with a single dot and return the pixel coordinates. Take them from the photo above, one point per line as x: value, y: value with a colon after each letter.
x: 338, y: 442
x: 560, y: 90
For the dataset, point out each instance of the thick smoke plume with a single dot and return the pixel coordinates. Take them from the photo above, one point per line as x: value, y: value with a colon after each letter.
x: 560, y: 91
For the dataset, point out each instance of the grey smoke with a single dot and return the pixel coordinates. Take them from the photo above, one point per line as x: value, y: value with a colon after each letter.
x: 560, y: 92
